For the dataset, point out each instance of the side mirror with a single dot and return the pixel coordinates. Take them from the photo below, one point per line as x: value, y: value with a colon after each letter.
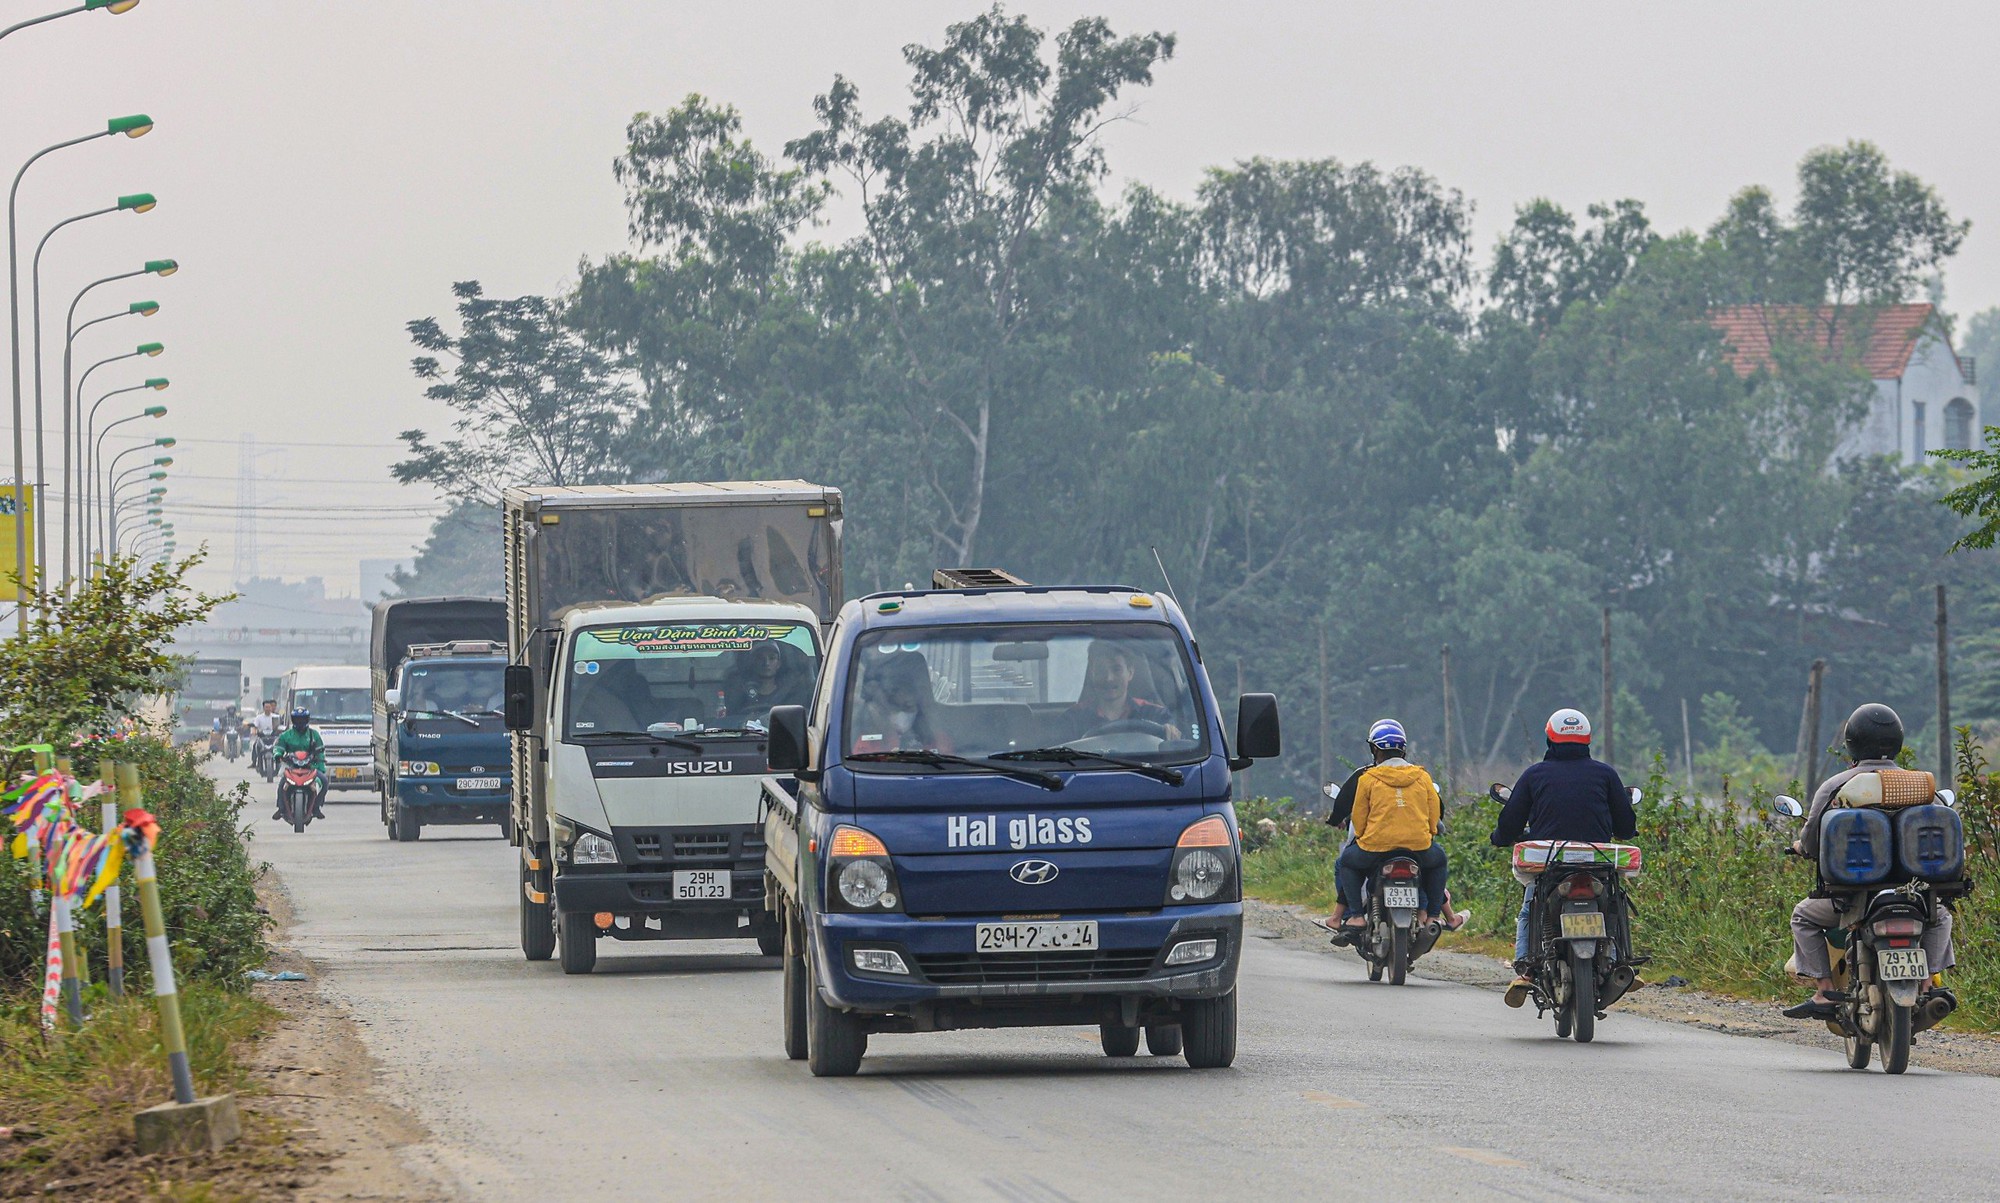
x: 1638, y: 795
x: 1788, y: 806
x: 1501, y: 793
x: 1330, y: 790
x: 520, y: 701
x: 1256, y: 729
x: 786, y: 749
x: 393, y: 698
x: 1948, y: 797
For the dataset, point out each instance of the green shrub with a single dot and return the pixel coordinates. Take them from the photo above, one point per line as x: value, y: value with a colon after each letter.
x: 207, y: 880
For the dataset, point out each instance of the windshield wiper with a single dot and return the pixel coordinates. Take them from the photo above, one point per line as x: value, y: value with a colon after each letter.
x: 1048, y: 781
x: 1064, y: 754
x: 648, y: 736
x: 467, y: 719
x: 733, y: 732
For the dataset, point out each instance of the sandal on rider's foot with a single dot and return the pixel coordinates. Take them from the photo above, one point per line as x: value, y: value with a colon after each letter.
x: 1518, y: 991
x: 1812, y: 1008
x: 1453, y: 920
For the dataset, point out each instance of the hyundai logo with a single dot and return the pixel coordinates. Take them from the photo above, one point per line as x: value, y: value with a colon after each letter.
x: 1034, y: 872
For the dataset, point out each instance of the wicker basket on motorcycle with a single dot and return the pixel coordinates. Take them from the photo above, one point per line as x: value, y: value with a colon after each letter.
x: 1888, y: 788
x: 1533, y: 856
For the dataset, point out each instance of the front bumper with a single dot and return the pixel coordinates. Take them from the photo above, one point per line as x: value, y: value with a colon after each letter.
x: 939, y: 952
x: 647, y: 909
x: 440, y: 802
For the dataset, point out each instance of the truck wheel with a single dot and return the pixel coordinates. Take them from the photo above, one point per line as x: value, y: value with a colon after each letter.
x: 382, y: 808
x: 407, y: 827
x: 795, y: 996
x: 770, y: 942
x: 538, y: 933
x: 835, y: 1040
x: 1117, y: 1039
x: 1163, y: 1039
x: 576, y: 942
x: 1208, y: 1027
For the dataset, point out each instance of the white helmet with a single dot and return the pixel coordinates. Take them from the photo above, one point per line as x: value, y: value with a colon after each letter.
x: 1568, y: 726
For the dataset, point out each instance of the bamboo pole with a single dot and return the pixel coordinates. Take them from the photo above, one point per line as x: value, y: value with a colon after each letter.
x: 114, y: 919
x: 172, y: 1036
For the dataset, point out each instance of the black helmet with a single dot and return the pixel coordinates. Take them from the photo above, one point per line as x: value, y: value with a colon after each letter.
x: 1873, y: 732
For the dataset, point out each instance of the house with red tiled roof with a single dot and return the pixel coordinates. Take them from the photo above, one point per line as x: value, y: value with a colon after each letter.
x: 1926, y: 395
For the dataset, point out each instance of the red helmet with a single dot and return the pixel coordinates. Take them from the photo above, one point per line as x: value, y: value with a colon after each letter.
x: 1568, y: 726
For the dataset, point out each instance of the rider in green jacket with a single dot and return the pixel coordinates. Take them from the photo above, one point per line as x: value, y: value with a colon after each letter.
x: 301, y: 737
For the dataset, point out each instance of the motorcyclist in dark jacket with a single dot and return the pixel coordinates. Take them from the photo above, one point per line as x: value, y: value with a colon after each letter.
x: 1567, y: 796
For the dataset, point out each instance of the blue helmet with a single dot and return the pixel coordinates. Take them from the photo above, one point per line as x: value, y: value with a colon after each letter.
x: 1388, y: 735
x: 300, y: 718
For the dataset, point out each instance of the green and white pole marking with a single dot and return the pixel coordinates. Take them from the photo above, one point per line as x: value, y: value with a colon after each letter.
x: 157, y: 953
x: 114, y: 920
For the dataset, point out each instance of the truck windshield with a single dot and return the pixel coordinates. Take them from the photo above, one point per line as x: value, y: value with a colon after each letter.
x: 692, y: 676
x: 335, y: 705
x: 442, y: 687
x: 1026, y: 693
x: 205, y: 681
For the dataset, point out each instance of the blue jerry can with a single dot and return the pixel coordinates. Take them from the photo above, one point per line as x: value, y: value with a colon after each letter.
x: 1930, y: 843
x: 1856, y: 847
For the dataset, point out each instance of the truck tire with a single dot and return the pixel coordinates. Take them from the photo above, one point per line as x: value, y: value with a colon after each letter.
x: 795, y: 995
x: 770, y: 942
x: 576, y: 942
x: 835, y: 1040
x: 1163, y: 1039
x: 1117, y: 1039
x: 407, y: 828
x: 382, y: 807
x: 538, y: 933
x: 1208, y: 1028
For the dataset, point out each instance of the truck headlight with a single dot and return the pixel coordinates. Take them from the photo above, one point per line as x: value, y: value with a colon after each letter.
x: 593, y: 849
x: 1203, y: 868
x: 863, y: 878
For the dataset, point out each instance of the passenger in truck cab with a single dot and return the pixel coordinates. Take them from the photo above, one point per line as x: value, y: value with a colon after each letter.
x: 1109, y: 674
x: 896, y: 707
x: 764, y: 677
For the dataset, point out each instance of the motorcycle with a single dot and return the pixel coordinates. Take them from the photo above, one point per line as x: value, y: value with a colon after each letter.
x: 1392, y: 942
x: 232, y: 744
x: 263, y: 755
x: 298, y: 790
x: 1580, y: 956
x: 1880, y: 968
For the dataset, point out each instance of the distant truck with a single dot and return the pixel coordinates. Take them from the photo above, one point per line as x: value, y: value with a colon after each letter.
x: 441, y: 754
x: 1010, y: 806
x: 650, y: 630
x: 209, y: 690
x: 336, y: 695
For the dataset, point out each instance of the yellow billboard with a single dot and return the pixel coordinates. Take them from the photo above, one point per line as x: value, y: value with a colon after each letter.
x: 17, y: 521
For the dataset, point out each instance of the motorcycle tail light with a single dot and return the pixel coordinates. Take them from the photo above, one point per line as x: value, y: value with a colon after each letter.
x: 1401, y: 870
x: 1581, y: 886
x: 1899, y: 927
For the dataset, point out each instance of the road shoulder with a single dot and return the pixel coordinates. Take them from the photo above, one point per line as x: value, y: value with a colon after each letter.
x: 1955, y: 1052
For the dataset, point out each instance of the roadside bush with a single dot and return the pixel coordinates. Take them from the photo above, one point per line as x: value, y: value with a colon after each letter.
x: 207, y: 880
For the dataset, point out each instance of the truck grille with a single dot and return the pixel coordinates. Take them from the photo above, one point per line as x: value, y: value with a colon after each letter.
x: 1016, y: 968
x: 694, y: 847
x: 701, y: 845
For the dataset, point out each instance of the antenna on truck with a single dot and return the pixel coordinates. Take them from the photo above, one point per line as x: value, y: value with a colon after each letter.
x: 1163, y: 576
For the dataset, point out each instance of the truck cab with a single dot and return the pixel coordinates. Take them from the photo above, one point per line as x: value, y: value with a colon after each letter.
x: 445, y: 752
x: 1010, y: 806
x: 336, y: 695
x: 656, y: 720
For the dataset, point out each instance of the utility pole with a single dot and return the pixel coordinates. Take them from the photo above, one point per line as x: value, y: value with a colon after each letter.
x: 1325, y: 752
x: 1946, y: 773
x: 1687, y: 748
x: 1606, y: 743
x: 1446, y: 657
x: 1808, y: 761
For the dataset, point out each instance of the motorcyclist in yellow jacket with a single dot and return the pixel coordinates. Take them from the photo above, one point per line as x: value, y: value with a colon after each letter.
x: 1396, y: 810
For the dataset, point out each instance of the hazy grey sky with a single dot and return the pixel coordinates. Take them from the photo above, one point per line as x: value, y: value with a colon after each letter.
x: 326, y: 168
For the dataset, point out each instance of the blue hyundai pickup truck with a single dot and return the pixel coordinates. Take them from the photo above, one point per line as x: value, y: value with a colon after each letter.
x: 1007, y: 807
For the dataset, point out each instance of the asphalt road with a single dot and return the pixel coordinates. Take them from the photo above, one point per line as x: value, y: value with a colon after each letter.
x: 661, y: 1076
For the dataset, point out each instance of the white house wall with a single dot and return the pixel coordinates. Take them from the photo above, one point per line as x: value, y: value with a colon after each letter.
x: 1931, y: 378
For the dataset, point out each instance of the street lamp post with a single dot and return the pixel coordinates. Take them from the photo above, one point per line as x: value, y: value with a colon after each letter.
x: 151, y: 495
x: 82, y: 443
x: 133, y: 126
x: 138, y: 202
x: 88, y: 515
x: 151, y: 411
x: 156, y: 383
x: 161, y: 267
x: 88, y: 6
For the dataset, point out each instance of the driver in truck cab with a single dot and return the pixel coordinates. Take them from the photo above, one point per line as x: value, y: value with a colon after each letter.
x: 764, y: 677
x: 1107, y: 698
x: 895, y: 710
